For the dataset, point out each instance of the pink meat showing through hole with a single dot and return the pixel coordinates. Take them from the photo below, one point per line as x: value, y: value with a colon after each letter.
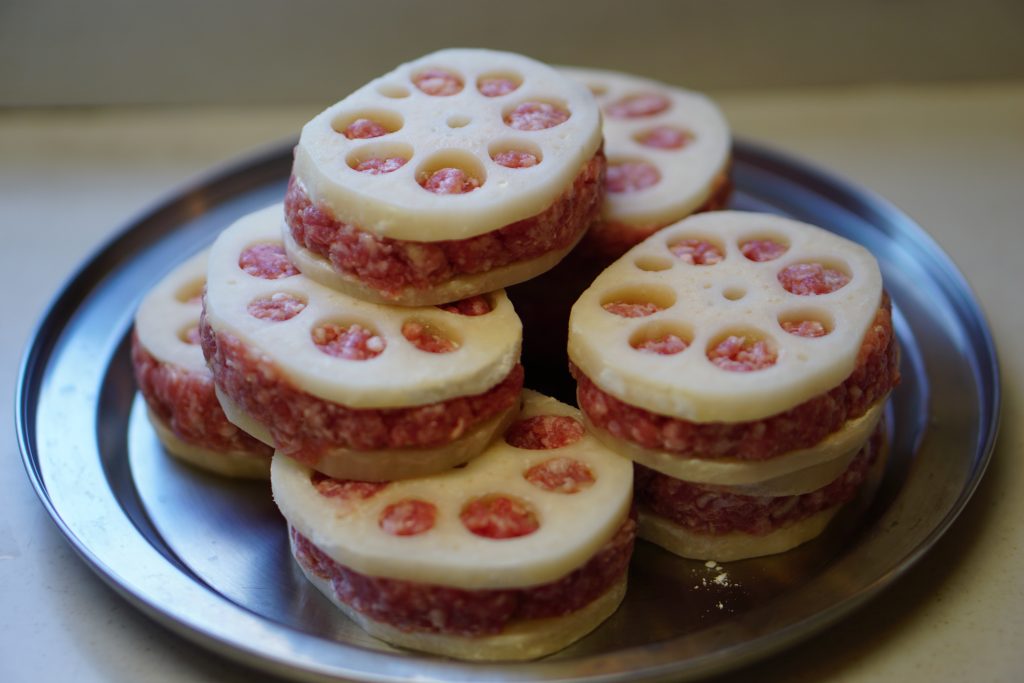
x: 192, y: 335
x: 631, y: 176
x: 811, y: 279
x: 635, y: 106
x: 425, y: 339
x: 544, y: 432
x: 628, y: 309
x: 665, y: 345
x: 364, y: 129
x: 408, y: 517
x: 697, y: 252
x: 665, y: 137
x: 496, y: 86
x: 516, y: 159
x: 762, y: 250
x: 738, y: 353
x: 379, y: 166
x: 277, y: 307
x: 562, y: 475
x: 474, y: 305
x: 499, y: 517
x: 438, y: 82
x: 536, y: 116
x: 266, y: 261
x: 448, y: 181
x: 354, y: 342
x: 804, y: 328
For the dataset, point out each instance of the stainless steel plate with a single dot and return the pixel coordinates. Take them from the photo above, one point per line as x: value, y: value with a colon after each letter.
x: 208, y: 558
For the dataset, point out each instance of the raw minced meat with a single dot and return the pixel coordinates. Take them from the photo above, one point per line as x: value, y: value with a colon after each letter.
x: 875, y: 374
x: 499, y: 517
x: 714, y: 510
x: 185, y: 401
x: 564, y: 475
x: 267, y: 261
x: 696, y: 252
x: 542, y: 432
x: 390, y: 265
x: 413, y: 606
x: 305, y: 426
x: 536, y: 116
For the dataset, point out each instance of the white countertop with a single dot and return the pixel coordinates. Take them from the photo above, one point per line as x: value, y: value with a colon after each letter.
x: 952, y: 157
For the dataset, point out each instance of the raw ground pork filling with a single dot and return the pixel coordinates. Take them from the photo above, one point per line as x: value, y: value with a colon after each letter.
x: 713, y: 510
x: 185, y: 401
x: 390, y: 265
x: 305, y: 427
x: 875, y: 374
x: 412, y: 606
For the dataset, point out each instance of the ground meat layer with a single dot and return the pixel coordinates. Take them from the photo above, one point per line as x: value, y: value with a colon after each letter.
x: 185, y: 401
x: 412, y: 606
x: 708, y: 509
x: 875, y: 374
x: 305, y: 426
x: 389, y: 265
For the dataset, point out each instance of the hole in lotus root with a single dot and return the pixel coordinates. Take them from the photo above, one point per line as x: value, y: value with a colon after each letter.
x: 742, y: 351
x: 807, y: 322
x: 536, y: 115
x: 276, y: 307
x: 473, y: 306
x: 814, y: 278
x: 515, y: 153
x: 394, y: 91
x: 639, y: 105
x: 697, y: 251
x: 408, y: 517
x: 561, y: 475
x: 350, y: 342
x: 191, y: 292
x: 638, y: 301
x: 544, y: 432
x: 631, y: 176
x: 734, y: 292
x: 367, y: 124
x: 763, y: 248
x: 438, y: 82
x: 427, y: 337
x: 451, y: 172
x: 499, y: 517
x: 377, y: 159
x: 652, y: 263
x: 190, y: 335
x: 663, y: 338
x: 664, y: 137
x: 267, y: 261
x: 498, y: 84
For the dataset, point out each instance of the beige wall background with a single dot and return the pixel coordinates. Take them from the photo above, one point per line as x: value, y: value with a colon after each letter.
x: 100, y: 52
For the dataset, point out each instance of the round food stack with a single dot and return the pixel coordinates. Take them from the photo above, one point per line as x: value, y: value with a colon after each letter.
x: 454, y: 175
x: 743, y: 361
x: 353, y: 389
x: 668, y: 155
x: 178, y: 387
x: 514, y: 556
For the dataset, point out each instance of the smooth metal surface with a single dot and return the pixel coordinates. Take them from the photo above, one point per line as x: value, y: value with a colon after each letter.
x: 208, y: 558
